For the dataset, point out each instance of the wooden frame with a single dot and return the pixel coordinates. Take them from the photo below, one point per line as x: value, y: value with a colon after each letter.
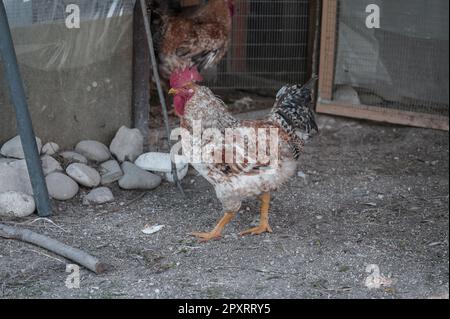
x: 326, y: 105
x: 385, y: 115
x: 327, y: 49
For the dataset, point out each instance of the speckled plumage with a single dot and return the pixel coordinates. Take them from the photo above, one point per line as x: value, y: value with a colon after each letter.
x: 292, y: 112
x: 200, y: 39
x: 233, y: 182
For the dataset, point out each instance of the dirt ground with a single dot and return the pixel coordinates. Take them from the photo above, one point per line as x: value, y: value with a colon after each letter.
x: 373, y: 194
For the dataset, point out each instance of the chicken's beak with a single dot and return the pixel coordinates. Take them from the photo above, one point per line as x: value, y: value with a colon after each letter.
x: 173, y: 91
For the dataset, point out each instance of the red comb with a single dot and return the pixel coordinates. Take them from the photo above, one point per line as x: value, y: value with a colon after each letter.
x: 182, y: 77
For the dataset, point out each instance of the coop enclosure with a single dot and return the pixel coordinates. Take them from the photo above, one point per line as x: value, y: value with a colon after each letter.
x: 270, y: 46
x: 398, y: 73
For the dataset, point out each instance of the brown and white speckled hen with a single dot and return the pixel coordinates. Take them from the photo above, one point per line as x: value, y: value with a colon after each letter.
x: 200, y: 39
x: 256, y: 172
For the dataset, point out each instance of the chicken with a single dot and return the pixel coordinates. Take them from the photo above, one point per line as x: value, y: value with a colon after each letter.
x: 235, y: 170
x: 200, y: 39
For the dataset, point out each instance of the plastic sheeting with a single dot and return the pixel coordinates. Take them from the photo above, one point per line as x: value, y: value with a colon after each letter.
x: 406, y: 60
x: 53, y: 46
x: 78, y: 80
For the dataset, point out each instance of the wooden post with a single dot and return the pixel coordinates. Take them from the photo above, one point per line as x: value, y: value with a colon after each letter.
x: 141, y: 74
x: 239, y: 36
x: 327, y: 50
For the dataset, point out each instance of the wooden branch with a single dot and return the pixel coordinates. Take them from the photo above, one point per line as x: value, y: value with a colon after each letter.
x: 78, y: 256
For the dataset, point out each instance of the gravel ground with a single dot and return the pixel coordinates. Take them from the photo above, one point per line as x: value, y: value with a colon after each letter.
x: 373, y: 194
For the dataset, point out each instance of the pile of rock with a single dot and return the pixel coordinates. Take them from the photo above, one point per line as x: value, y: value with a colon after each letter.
x: 90, y: 165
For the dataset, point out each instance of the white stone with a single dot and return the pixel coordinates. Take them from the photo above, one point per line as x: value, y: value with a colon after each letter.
x: 136, y: 178
x: 301, y: 174
x: 15, y: 204
x: 14, y: 177
x: 50, y: 148
x: 5, y: 160
x: 99, y: 195
x: 50, y: 165
x: 13, y: 148
x: 73, y: 157
x: 83, y: 174
x: 148, y: 230
x: 61, y: 186
x: 181, y: 173
x: 128, y: 144
x: 160, y: 162
x: 93, y: 150
x: 110, y: 172
x: 347, y: 94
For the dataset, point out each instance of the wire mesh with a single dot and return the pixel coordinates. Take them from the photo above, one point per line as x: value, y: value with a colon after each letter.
x: 269, y: 46
x: 402, y: 65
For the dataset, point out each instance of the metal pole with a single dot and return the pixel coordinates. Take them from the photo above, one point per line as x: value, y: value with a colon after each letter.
x: 23, y: 118
x: 160, y: 90
x: 316, y: 51
x: 141, y: 75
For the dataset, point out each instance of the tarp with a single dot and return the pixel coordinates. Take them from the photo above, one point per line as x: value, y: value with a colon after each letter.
x: 51, y: 49
x: 78, y: 80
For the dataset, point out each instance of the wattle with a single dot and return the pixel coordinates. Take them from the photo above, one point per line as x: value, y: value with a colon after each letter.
x: 179, y: 103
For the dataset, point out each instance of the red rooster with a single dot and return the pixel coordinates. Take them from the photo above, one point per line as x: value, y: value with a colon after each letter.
x: 200, y: 39
x: 291, y: 120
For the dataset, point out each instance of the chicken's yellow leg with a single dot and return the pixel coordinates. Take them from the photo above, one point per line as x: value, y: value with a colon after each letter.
x: 217, y: 231
x: 264, y: 219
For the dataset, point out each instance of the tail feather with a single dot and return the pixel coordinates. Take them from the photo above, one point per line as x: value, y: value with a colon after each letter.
x: 293, y: 108
x: 310, y: 84
x: 293, y: 113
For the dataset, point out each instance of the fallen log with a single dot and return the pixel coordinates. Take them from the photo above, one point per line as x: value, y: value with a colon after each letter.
x: 74, y: 254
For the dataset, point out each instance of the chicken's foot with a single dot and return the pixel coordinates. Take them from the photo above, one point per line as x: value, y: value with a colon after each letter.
x: 217, y: 231
x: 264, y: 219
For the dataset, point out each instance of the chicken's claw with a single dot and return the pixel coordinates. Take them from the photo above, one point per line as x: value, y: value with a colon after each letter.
x: 257, y: 230
x: 217, y: 231
x: 204, y: 237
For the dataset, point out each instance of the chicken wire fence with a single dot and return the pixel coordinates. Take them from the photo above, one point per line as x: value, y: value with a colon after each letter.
x: 402, y: 65
x: 269, y: 46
